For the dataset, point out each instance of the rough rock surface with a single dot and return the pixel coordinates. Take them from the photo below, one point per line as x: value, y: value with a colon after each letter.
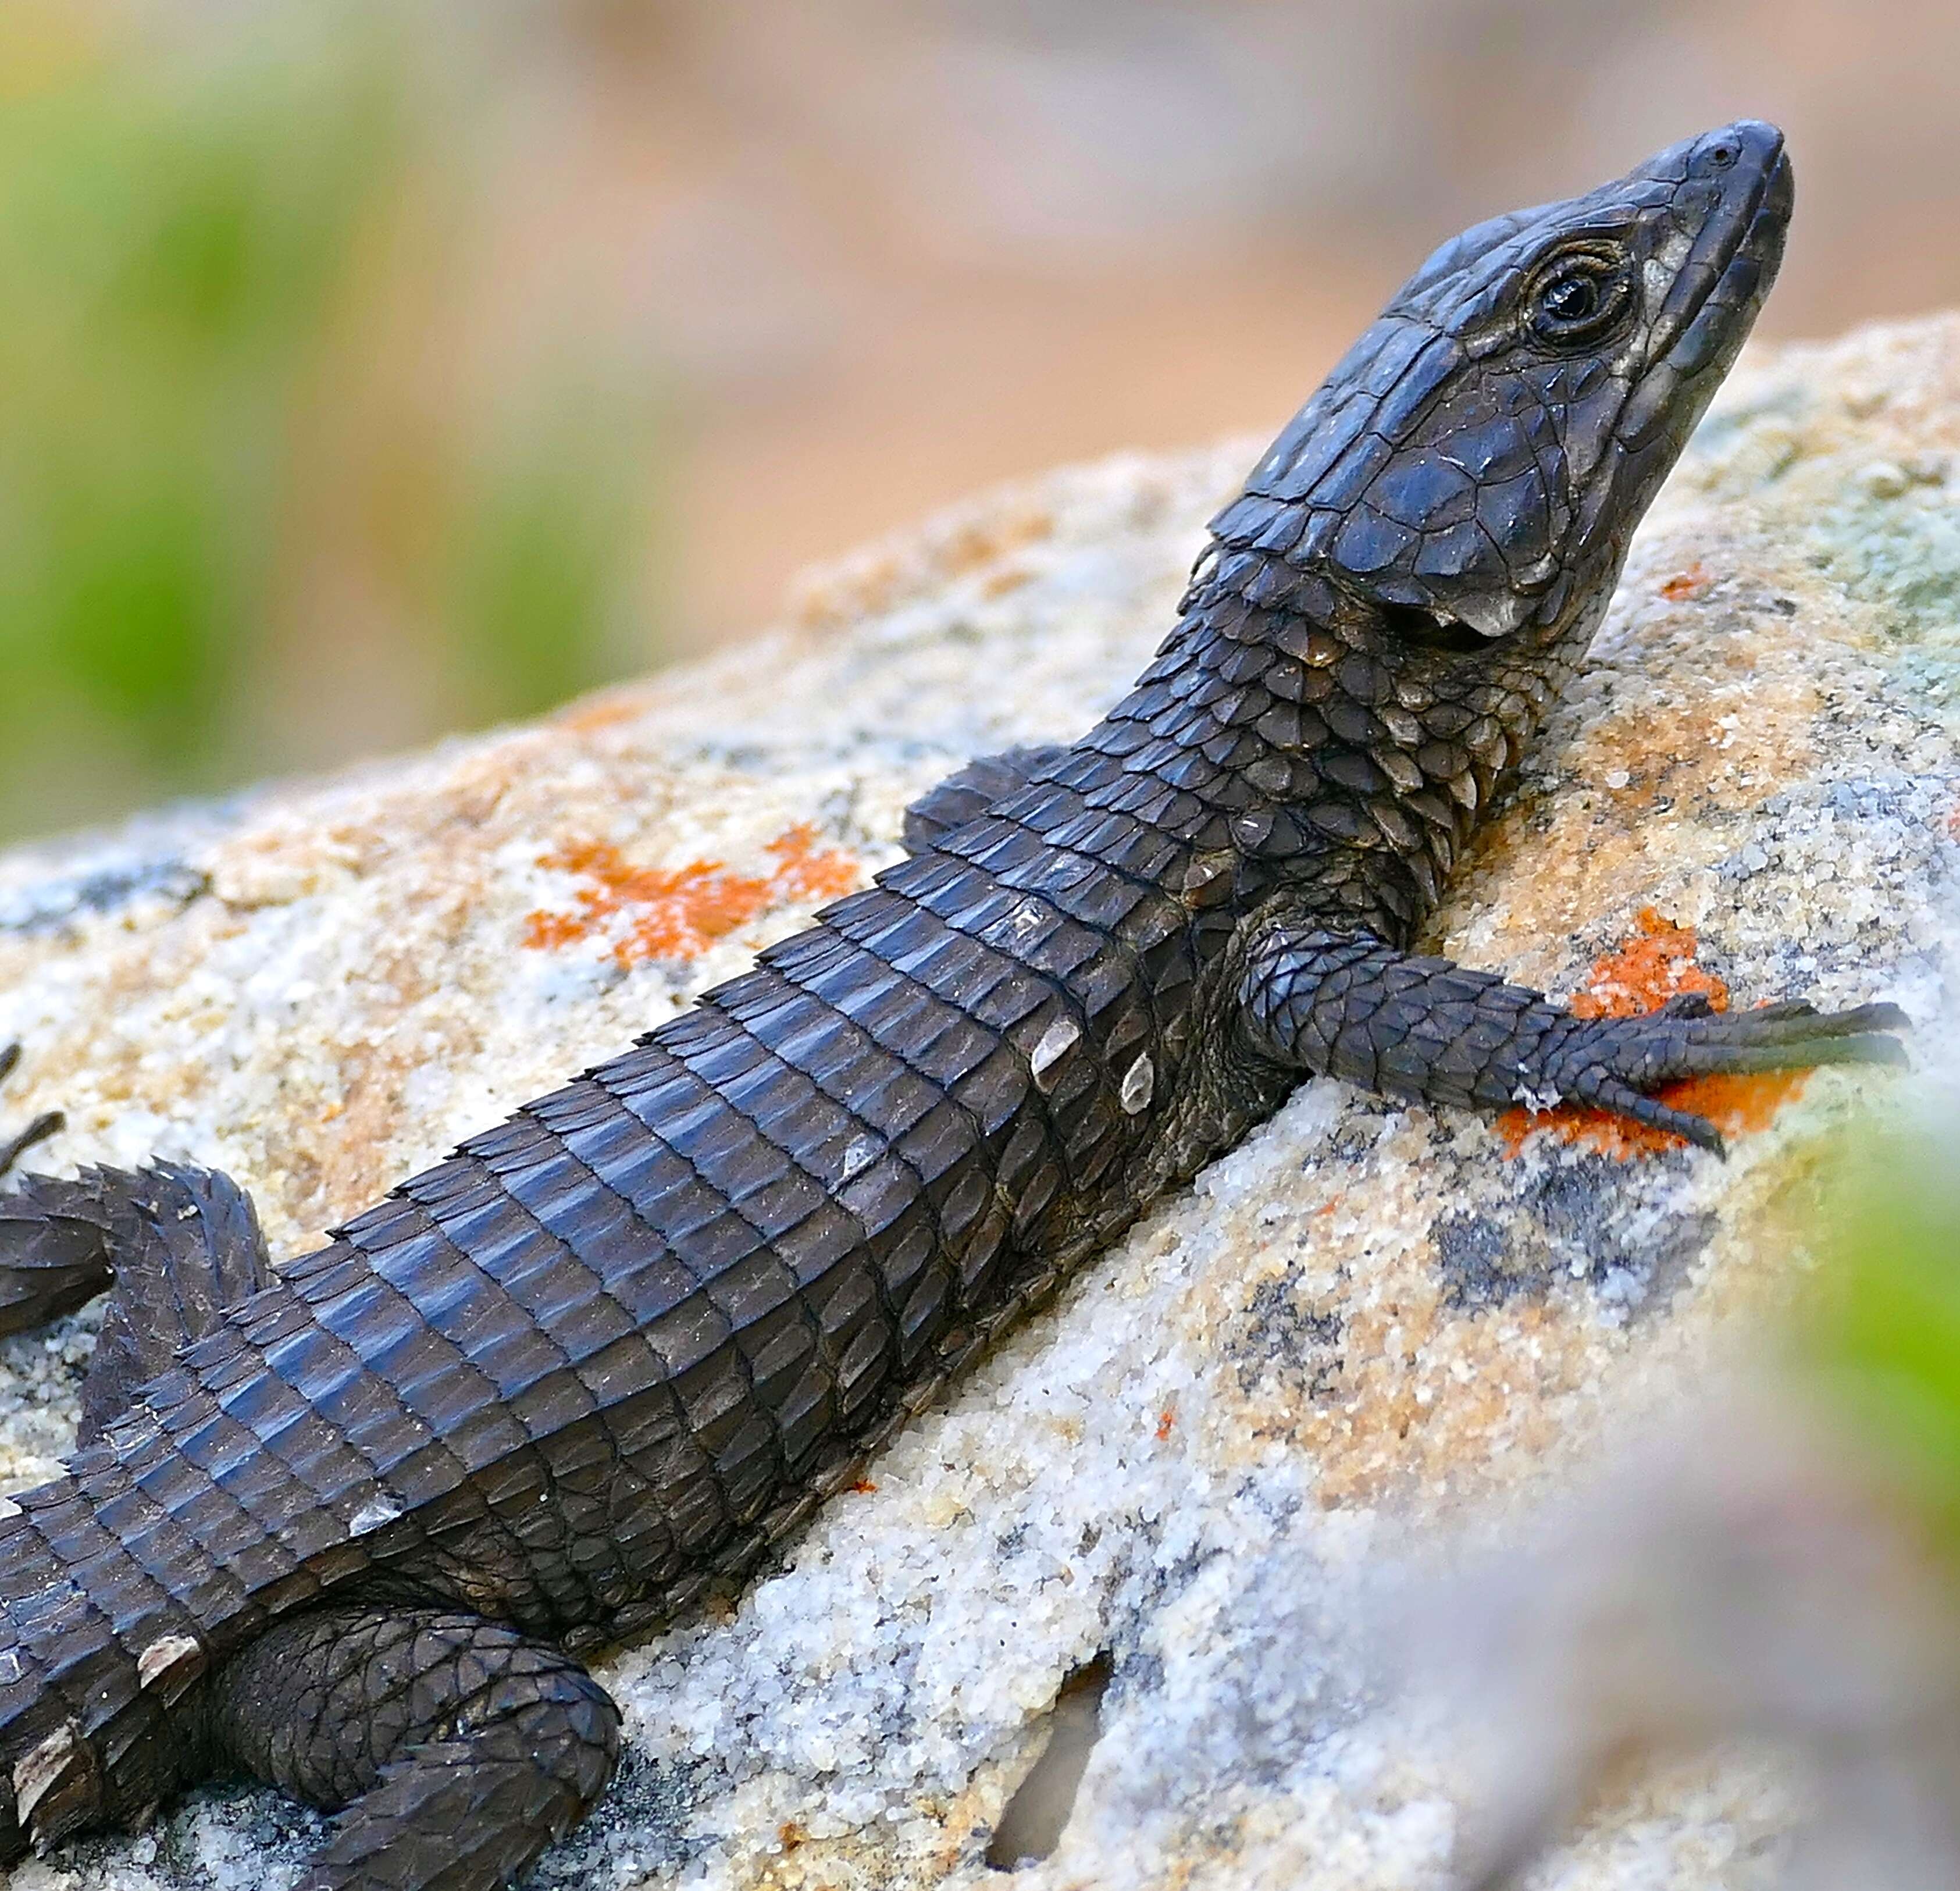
x: 1364, y: 1321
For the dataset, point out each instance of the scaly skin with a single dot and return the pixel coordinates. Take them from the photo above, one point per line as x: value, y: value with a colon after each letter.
x: 350, y: 1533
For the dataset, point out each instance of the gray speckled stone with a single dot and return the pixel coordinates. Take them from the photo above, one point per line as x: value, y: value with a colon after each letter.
x: 1363, y: 1323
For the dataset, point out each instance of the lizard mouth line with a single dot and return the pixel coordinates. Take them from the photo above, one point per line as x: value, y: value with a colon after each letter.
x: 1741, y: 248
x: 1759, y: 246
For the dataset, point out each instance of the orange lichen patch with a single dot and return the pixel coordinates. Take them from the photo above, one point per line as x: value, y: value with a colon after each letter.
x: 678, y: 912
x: 863, y: 1486
x: 1656, y: 964
x: 1167, y: 1418
x: 1693, y: 582
x: 1952, y: 823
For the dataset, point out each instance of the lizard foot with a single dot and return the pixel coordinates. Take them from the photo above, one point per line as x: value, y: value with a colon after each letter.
x: 50, y: 1261
x: 13, y: 1148
x: 1613, y: 1063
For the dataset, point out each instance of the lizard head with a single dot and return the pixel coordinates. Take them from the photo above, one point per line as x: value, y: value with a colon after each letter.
x: 1474, y: 466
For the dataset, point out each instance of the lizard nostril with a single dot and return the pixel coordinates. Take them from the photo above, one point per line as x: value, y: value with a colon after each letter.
x: 1722, y: 155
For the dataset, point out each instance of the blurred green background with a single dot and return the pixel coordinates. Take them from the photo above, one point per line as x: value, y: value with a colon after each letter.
x: 1879, y: 1327
x: 368, y: 370
x: 272, y: 486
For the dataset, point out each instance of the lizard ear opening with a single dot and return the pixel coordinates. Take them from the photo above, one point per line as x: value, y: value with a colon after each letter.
x: 1428, y: 630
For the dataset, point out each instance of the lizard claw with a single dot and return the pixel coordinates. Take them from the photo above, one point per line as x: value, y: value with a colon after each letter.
x: 12, y: 1148
x: 1623, y: 1100
x: 1791, y: 1042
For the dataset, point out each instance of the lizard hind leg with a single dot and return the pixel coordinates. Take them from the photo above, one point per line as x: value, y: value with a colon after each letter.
x: 458, y: 1748
x: 187, y: 1246
x: 51, y: 1260
x: 177, y: 1245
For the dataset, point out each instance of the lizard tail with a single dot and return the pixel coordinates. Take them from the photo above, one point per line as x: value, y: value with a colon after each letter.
x: 175, y: 1537
x: 100, y: 1638
x: 70, y: 1694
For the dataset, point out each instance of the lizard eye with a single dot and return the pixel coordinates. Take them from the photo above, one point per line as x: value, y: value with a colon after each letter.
x: 1578, y: 298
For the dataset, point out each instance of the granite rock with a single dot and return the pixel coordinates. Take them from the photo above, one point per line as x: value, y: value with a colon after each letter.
x: 1365, y: 1326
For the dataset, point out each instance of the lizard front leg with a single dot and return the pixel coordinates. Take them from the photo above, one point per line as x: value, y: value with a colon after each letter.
x: 1350, y: 1005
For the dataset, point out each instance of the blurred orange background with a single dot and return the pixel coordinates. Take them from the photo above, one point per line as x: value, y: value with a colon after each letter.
x: 367, y: 371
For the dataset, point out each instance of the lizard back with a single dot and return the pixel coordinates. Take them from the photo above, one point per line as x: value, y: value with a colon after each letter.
x: 617, y: 1347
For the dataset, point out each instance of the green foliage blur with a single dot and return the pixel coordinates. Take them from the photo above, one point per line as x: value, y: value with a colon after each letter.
x: 1880, y: 1332
x: 262, y: 499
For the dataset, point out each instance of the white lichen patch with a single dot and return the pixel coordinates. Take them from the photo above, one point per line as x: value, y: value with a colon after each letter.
x: 1236, y: 1427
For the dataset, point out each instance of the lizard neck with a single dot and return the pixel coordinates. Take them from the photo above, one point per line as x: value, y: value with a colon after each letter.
x: 1337, y: 760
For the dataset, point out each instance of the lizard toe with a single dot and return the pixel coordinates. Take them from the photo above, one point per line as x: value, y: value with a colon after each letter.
x: 1623, y: 1100
x: 13, y: 1148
